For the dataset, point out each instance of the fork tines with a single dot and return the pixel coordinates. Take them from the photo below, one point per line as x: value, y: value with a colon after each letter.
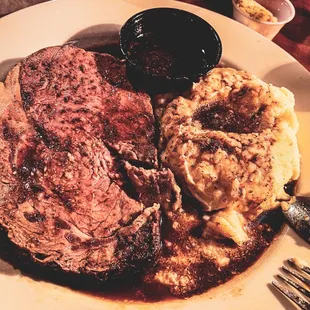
x: 302, y: 303
x: 299, y: 264
x: 294, y: 284
x: 297, y: 275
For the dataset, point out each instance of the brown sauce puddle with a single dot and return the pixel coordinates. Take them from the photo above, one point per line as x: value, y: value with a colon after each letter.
x: 132, y: 288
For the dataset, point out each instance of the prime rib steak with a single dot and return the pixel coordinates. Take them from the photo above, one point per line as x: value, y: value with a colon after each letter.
x: 73, y: 132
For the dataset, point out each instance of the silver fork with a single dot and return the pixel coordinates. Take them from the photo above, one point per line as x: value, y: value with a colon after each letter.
x: 300, y: 266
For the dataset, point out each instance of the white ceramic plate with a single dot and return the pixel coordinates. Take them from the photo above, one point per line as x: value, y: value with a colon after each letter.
x: 54, y: 23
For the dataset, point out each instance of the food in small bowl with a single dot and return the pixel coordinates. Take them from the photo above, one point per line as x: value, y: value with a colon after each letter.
x: 255, y: 10
x: 264, y: 16
x: 169, y: 48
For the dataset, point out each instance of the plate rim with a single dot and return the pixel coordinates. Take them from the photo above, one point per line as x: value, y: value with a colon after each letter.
x: 28, y: 10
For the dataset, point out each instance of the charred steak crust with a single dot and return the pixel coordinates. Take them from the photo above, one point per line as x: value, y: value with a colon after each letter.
x: 71, y: 124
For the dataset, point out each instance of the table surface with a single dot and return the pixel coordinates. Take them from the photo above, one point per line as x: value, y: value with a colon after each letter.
x: 294, y: 36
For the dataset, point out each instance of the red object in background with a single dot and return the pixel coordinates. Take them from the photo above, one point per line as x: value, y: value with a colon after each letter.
x: 294, y: 37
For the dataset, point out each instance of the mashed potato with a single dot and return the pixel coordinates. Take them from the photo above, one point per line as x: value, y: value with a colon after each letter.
x: 232, y: 142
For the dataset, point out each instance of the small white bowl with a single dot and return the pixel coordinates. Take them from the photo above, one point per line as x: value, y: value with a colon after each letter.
x: 282, y: 9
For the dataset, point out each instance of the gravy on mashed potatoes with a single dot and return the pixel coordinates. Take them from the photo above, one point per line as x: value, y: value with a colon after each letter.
x: 232, y: 145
